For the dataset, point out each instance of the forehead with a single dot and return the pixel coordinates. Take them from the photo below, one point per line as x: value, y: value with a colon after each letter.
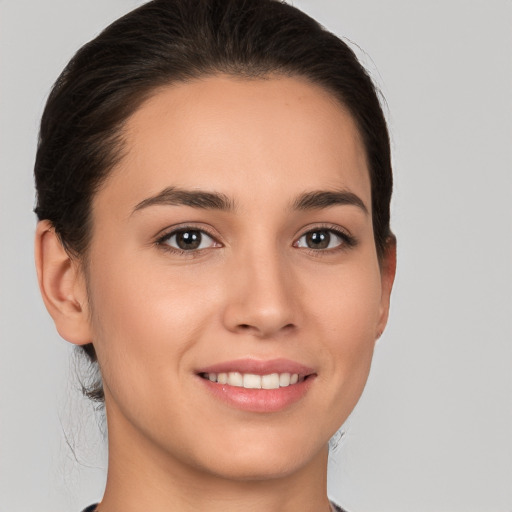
x: 242, y: 137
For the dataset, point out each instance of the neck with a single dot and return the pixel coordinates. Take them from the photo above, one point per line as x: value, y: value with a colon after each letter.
x: 142, y: 476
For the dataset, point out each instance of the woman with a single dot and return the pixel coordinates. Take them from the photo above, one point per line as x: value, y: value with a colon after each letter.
x: 213, y: 183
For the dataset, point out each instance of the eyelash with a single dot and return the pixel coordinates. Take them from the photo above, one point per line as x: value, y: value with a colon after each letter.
x: 347, y: 241
x: 161, y: 242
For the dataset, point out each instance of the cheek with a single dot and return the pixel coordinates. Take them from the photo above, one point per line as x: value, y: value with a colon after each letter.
x: 347, y: 315
x: 347, y: 303
x: 144, y: 320
x: 134, y: 292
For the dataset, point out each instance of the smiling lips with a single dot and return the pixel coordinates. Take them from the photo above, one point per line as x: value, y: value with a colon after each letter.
x: 258, y: 386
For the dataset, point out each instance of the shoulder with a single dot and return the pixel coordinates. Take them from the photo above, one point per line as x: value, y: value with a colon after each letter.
x: 335, y: 508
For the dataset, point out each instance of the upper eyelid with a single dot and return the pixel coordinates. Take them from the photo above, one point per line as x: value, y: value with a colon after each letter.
x: 347, y: 239
x: 163, y: 241
x: 335, y: 228
x: 166, y: 233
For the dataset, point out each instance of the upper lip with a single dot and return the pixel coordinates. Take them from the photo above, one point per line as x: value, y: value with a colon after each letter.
x: 258, y: 367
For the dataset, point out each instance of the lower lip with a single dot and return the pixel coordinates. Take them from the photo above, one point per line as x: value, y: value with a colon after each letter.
x: 259, y: 400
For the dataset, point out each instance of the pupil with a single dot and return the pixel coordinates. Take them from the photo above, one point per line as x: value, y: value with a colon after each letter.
x: 188, y: 240
x: 318, y: 239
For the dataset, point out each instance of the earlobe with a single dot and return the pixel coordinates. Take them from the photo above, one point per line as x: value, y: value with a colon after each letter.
x: 62, y: 286
x: 387, y: 272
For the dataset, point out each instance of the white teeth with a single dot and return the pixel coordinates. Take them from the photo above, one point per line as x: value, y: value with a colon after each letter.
x: 253, y: 381
x: 235, y: 379
x: 270, y: 381
x: 284, y: 380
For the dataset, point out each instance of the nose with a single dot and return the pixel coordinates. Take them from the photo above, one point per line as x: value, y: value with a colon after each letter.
x: 262, y: 299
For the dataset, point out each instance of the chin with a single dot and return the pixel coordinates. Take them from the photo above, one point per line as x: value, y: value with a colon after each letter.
x: 267, y: 456
x: 261, y: 468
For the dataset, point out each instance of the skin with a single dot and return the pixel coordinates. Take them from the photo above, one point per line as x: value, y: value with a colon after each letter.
x: 253, y: 290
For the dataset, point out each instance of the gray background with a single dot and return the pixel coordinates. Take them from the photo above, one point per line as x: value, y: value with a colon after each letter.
x: 434, y: 427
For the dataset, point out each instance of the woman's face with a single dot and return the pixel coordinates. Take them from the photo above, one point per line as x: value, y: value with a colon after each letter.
x: 233, y: 247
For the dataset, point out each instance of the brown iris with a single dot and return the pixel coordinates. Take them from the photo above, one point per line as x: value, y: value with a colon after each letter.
x: 318, y: 239
x: 188, y: 240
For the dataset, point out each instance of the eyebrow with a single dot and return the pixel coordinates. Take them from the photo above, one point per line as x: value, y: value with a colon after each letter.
x: 174, y: 196
x: 325, y: 198
x: 314, y: 200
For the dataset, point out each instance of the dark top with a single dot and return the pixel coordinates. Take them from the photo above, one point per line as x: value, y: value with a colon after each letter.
x: 92, y: 508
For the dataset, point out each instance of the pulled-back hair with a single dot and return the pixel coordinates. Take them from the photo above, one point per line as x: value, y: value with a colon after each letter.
x: 169, y: 41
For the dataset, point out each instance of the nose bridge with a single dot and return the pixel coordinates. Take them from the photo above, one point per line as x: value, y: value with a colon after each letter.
x: 262, y: 298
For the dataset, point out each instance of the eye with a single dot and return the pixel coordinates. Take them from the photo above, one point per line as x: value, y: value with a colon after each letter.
x: 323, y: 239
x: 188, y: 239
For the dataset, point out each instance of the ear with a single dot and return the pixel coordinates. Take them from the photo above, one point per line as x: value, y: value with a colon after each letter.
x: 62, y: 286
x: 387, y: 273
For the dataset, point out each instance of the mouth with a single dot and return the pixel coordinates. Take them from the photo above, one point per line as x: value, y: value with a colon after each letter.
x: 254, y: 381
x: 258, y: 386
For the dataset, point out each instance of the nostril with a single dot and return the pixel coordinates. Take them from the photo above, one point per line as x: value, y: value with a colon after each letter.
x: 248, y: 328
